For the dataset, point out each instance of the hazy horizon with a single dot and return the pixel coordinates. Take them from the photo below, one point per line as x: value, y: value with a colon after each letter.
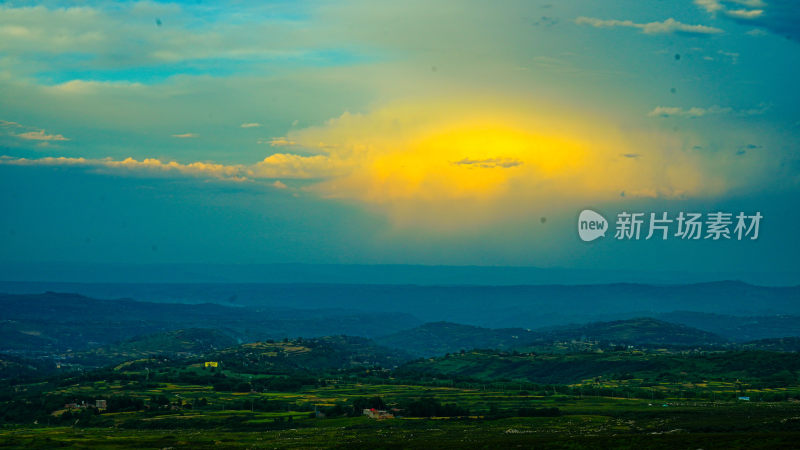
x: 116, y: 273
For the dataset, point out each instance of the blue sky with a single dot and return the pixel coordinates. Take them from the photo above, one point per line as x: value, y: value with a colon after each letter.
x: 466, y: 133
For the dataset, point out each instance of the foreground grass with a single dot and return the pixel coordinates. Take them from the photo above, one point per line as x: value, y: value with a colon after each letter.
x: 360, y: 433
x: 585, y: 423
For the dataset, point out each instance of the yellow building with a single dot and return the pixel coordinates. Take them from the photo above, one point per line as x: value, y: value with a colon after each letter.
x: 212, y: 364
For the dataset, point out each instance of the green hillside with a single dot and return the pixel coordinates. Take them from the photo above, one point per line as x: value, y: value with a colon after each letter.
x: 176, y: 343
x: 439, y: 338
x: 765, y: 367
x: 289, y: 355
x: 644, y: 331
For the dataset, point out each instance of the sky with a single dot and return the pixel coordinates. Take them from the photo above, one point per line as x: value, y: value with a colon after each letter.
x: 371, y: 132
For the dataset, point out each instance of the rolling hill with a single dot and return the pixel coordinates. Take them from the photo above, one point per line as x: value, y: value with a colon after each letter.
x: 444, y: 337
x: 176, y: 343
x: 289, y: 355
x: 644, y: 331
x: 485, y: 365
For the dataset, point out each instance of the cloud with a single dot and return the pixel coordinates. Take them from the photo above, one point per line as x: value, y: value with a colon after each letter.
x: 674, y: 111
x: 745, y: 13
x: 250, y: 125
x: 454, y: 163
x: 287, y: 165
x: 41, y: 136
x: 274, y: 166
x: 778, y: 16
x: 756, y: 32
x: 489, y: 163
x: 733, y: 56
x: 7, y: 124
x: 278, y: 142
x: 185, y: 136
x: 666, y: 27
x: 123, y: 35
x: 695, y: 111
x: 446, y: 163
x: 147, y: 165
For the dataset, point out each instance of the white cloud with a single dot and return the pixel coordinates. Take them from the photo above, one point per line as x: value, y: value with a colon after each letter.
x: 756, y: 32
x: 250, y: 125
x: 733, y: 56
x: 674, y: 111
x: 721, y: 6
x: 666, y: 27
x: 695, y: 111
x: 745, y: 13
x: 710, y: 6
x: 778, y: 16
x: 185, y: 136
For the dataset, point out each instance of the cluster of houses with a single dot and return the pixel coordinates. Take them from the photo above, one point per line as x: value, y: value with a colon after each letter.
x: 98, y: 404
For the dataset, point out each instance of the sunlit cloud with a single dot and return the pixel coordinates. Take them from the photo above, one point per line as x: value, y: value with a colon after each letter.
x: 489, y: 163
x: 559, y: 125
x: 132, y: 166
x: 452, y: 164
x: 287, y: 165
x: 447, y: 164
x: 40, y: 136
x: 278, y: 142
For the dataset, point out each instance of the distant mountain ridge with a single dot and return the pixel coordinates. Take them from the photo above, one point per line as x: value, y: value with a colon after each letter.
x: 510, y: 306
x: 60, y: 322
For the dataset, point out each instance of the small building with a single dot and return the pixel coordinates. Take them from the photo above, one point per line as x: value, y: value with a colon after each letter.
x: 100, y: 404
x: 744, y: 399
x: 211, y: 364
x: 373, y: 413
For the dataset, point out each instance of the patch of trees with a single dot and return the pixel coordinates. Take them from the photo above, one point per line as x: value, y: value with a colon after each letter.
x: 430, y: 407
x: 538, y: 412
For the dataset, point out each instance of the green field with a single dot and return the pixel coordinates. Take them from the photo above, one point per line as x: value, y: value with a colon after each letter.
x: 492, y: 420
x: 312, y: 393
